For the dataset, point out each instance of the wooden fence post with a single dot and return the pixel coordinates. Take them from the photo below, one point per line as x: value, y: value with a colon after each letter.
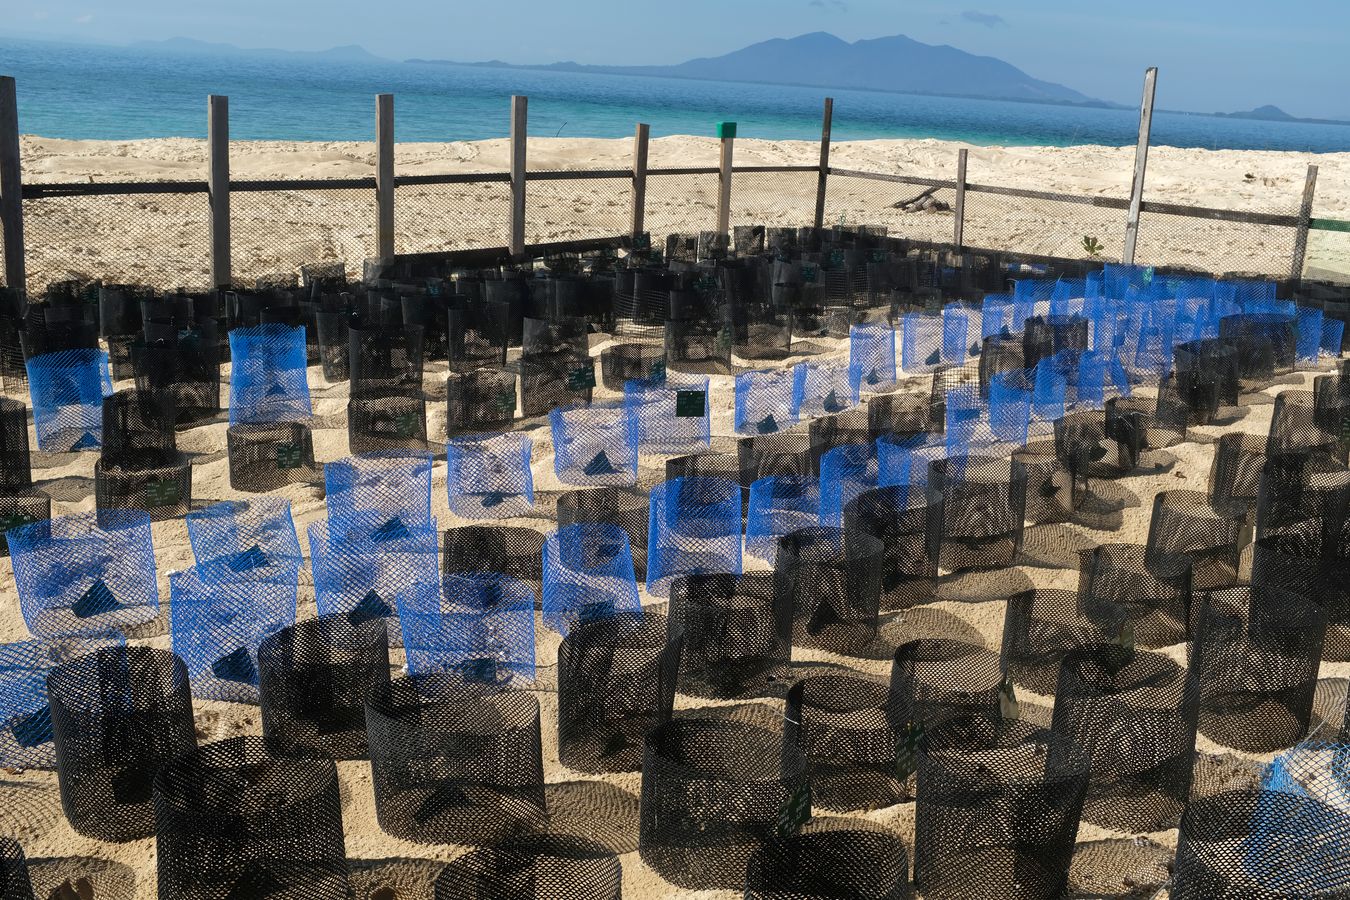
x: 11, y: 186
x: 959, y: 234
x: 827, y: 120
x: 218, y: 186
x: 726, y: 131
x: 384, y: 177
x: 1140, y: 165
x: 519, y: 124
x: 1305, y: 211
x: 639, y: 219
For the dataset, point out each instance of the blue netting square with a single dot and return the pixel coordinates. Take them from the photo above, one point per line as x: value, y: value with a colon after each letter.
x: 1068, y: 297
x: 217, y: 619
x: 268, y: 380
x: 967, y: 420
x: 673, y: 417
x: 779, y: 505
x: 996, y: 316
x: 956, y: 334
x: 845, y: 472
x: 1010, y: 398
x: 25, y: 716
x: 871, y: 356
x: 67, y: 390
x: 764, y: 401
x: 905, y: 462
x: 1308, y: 340
x: 91, y: 571
x: 476, y: 626
x: 1333, y: 332
x: 1302, y: 849
x: 1118, y: 279
x: 1031, y: 297
x: 1255, y: 296
x: 921, y: 343
x: 588, y: 575
x: 1152, y: 344
x: 389, y: 491
x: 489, y: 477
x: 594, y: 444
x: 245, y: 534
x: 694, y: 526
x: 359, y: 575
x: 821, y: 389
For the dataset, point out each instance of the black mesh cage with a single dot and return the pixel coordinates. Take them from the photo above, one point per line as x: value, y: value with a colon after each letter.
x: 483, y: 400
x: 840, y: 723
x: 312, y: 683
x: 234, y: 821
x: 946, y: 689
x: 1154, y: 593
x: 1297, y: 488
x: 698, y: 346
x: 621, y: 505
x: 981, y: 502
x: 616, y: 682
x: 334, y: 342
x: 1235, y: 474
x: 511, y: 550
x: 781, y: 453
x: 265, y: 456
x: 118, y: 714
x: 1134, y: 714
x: 1042, y: 625
x: 1264, y: 344
x: 22, y: 509
x: 899, y: 517
x: 119, y: 308
x: 545, y: 867
x: 385, y: 361
x: 1312, y: 557
x: 478, y: 330
x: 1256, y: 652
x: 829, y: 859
x: 631, y: 362
x: 737, y: 633
x: 377, y: 424
x: 140, y: 466
x: 759, y: 330
x: 453, y: 764
x: 14, y: 881
x: 16, y: 473
x: 832, y: 581
x: 1190, y: 524
x: 997, y: 818
x: 714, y: 791
x: 184, y: 366
x: 1206, y: 378
x: 544, y: 386
x: 1296, y: 427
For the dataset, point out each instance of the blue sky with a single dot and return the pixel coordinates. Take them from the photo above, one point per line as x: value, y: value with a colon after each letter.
x: 1213, y: 54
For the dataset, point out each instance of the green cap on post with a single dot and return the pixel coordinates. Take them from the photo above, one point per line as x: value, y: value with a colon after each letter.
x: 726, y: 130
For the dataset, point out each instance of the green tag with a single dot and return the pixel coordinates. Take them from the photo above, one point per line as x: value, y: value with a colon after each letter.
x: 581, y: 379
x: 405, y: 425
x: 658, y: 371
x: 506, y: 402
x: 809, y: 273
x: 690, y: 404
x: 1345, y: 430
x: 795, y: 812
x: 1148, y: 275
x: 724, y: 341
x: 705, y: 285
x: 288, y: 456
x: 877, y: 256
x: 1007, y: 701
x: 1126, y: 636
x: 15, y: 520
x: 908, y: 746
x: 932, y: 304
x: 836, y: 259
x: 163, y: 492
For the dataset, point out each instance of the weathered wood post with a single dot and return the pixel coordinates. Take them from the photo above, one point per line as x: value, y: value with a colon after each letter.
x: 11, y: 186
x: 726, y: 132
x: 218, y: 187
x: 639, y: 218
x: 519, y: 123
x: 1305, y: 211
x: 822, y: 179
x: 384, y: 177
x: 959, y: 232
x: 1140, y: 165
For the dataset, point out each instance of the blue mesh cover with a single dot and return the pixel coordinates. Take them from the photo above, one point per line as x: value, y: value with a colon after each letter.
x: 385, y: 491
x: 845, y: 472
x: 489, y: 477
x: 905, y: 463
x: 921, y: 343
x: 1095, y: 285
x: 764, y: 401
x: 1308, y: 331
x: 821, y: 389
x: 360, y: 575
x: 218, y: 617
x: 779, y: 505
x: 67, y: 390
x: 996, y: 316
x: 1100, y: 375
x: 1068, y: 297
x: 1010, y: 405
x: 1257, y: 297
x: 1031, y: 297
x: 25, y: 717
x: 1118, y: 279
x: 871, y: 356
x: 268, y: 380
x: 1303, y: 849
x: 956, y: 343
x: 1153, y: 344
x: 476, y: 626
x: 673, y: 417
x: 1050, y: 385
x: 594, y: 445
x: 967, y: 420
x: 1333, y: 332
x: 588, y: 575
x: 245, y: 534
x: 694, y: 527
x: 91, y: 571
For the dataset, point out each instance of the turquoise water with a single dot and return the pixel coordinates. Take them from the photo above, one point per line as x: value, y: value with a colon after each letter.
x: 87, y: 92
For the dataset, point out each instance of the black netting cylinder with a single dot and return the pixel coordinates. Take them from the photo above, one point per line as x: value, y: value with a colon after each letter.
x: 265, y: 456
x: 840, y: 723
x: 478, y: 330
x: 14, y: 881
x: 1206, y: 378
x: 1191, y: 524
x: 378, y: 424
x: 1297, y: 488
x: 1265, y: 345
x: 16, y: 472
x: 511, y: 550
x: 483, y: 400
x: 737, y: 632
x: 631, y: 362
x: 118, y: 715
x: 712, y: 793
x: 1155, y: 593
x: 545, y: 867
x: 780, y: 453
x: 119, y: 308
x: 1042, y: 625
x: 832, y: 580
x: 949, y: 689
x: 1235, y: 474
x: 334, y: 342
x: 981, y: 502
x: 998, y: 819
x: 1313, y: 558
x: 1134, y: 714
x: 140, y: 466
x: 621, y: 505
x: 1256, y: 651
x: 385, y: 361
x: 312, y: 683
x: 1297, y: 427
x: 826, y: 861
x: 900, y: 518
x: 234, y: 821
x: 616, y: 682
x: 454, y: 765
x: 184, y: 366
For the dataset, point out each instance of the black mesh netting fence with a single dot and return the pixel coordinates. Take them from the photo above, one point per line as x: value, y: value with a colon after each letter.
x: 1191, y: 524
x: 1042, y: 625
x: 14, y: 881
x: 840, y: 723
x: 234, y: 821
x: 1155, y: 593
x: 535, y: 868
x: 945, y: 689
x: 737, y: 633
x: 832, y: 579
x: 900, y: 518
x: 829, y: 859
x: 267, y: 456
x: 511, y: 550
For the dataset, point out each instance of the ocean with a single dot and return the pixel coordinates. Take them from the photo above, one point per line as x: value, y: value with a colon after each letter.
x: 118, y: 93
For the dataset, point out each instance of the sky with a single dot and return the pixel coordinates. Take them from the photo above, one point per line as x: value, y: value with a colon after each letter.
x: 1212, y: 55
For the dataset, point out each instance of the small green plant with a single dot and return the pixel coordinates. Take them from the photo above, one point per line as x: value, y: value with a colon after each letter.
x: 1091, y: 246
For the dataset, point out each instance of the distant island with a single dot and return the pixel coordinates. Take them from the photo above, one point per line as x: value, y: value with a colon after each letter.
x: 1270, y: 113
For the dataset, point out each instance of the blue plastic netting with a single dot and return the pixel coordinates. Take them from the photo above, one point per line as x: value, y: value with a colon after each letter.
x: 957, y: 336
x: 1010, y: 396
x: 1031, y: 297
x: 1333, y: 332
x: 383, y: 493
x: 845, y: 472
x: 871, y: 356
x: 921, y: 343
x: 588, y: 575
x: 89, y: 571
x: 779, y: 505
x: 821, y: 389
x: 694, y: 527
x: 672, y: 417
x: 267, y: 375
x: 218, y: 617
x: 594, y: 445
x: 764, y: 401
x: 905, y: 463
x: 25, y: 717
x: 477, y: 626
x: 996, y: 316
x: 359, y: 576
x: 1308, y: 343
x: 489, y: 477
x: 245, y: 534
x: 67, y: 390
x: 1068, y: 297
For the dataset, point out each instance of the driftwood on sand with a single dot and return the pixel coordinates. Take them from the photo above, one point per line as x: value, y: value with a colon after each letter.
x: 924, y: 202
